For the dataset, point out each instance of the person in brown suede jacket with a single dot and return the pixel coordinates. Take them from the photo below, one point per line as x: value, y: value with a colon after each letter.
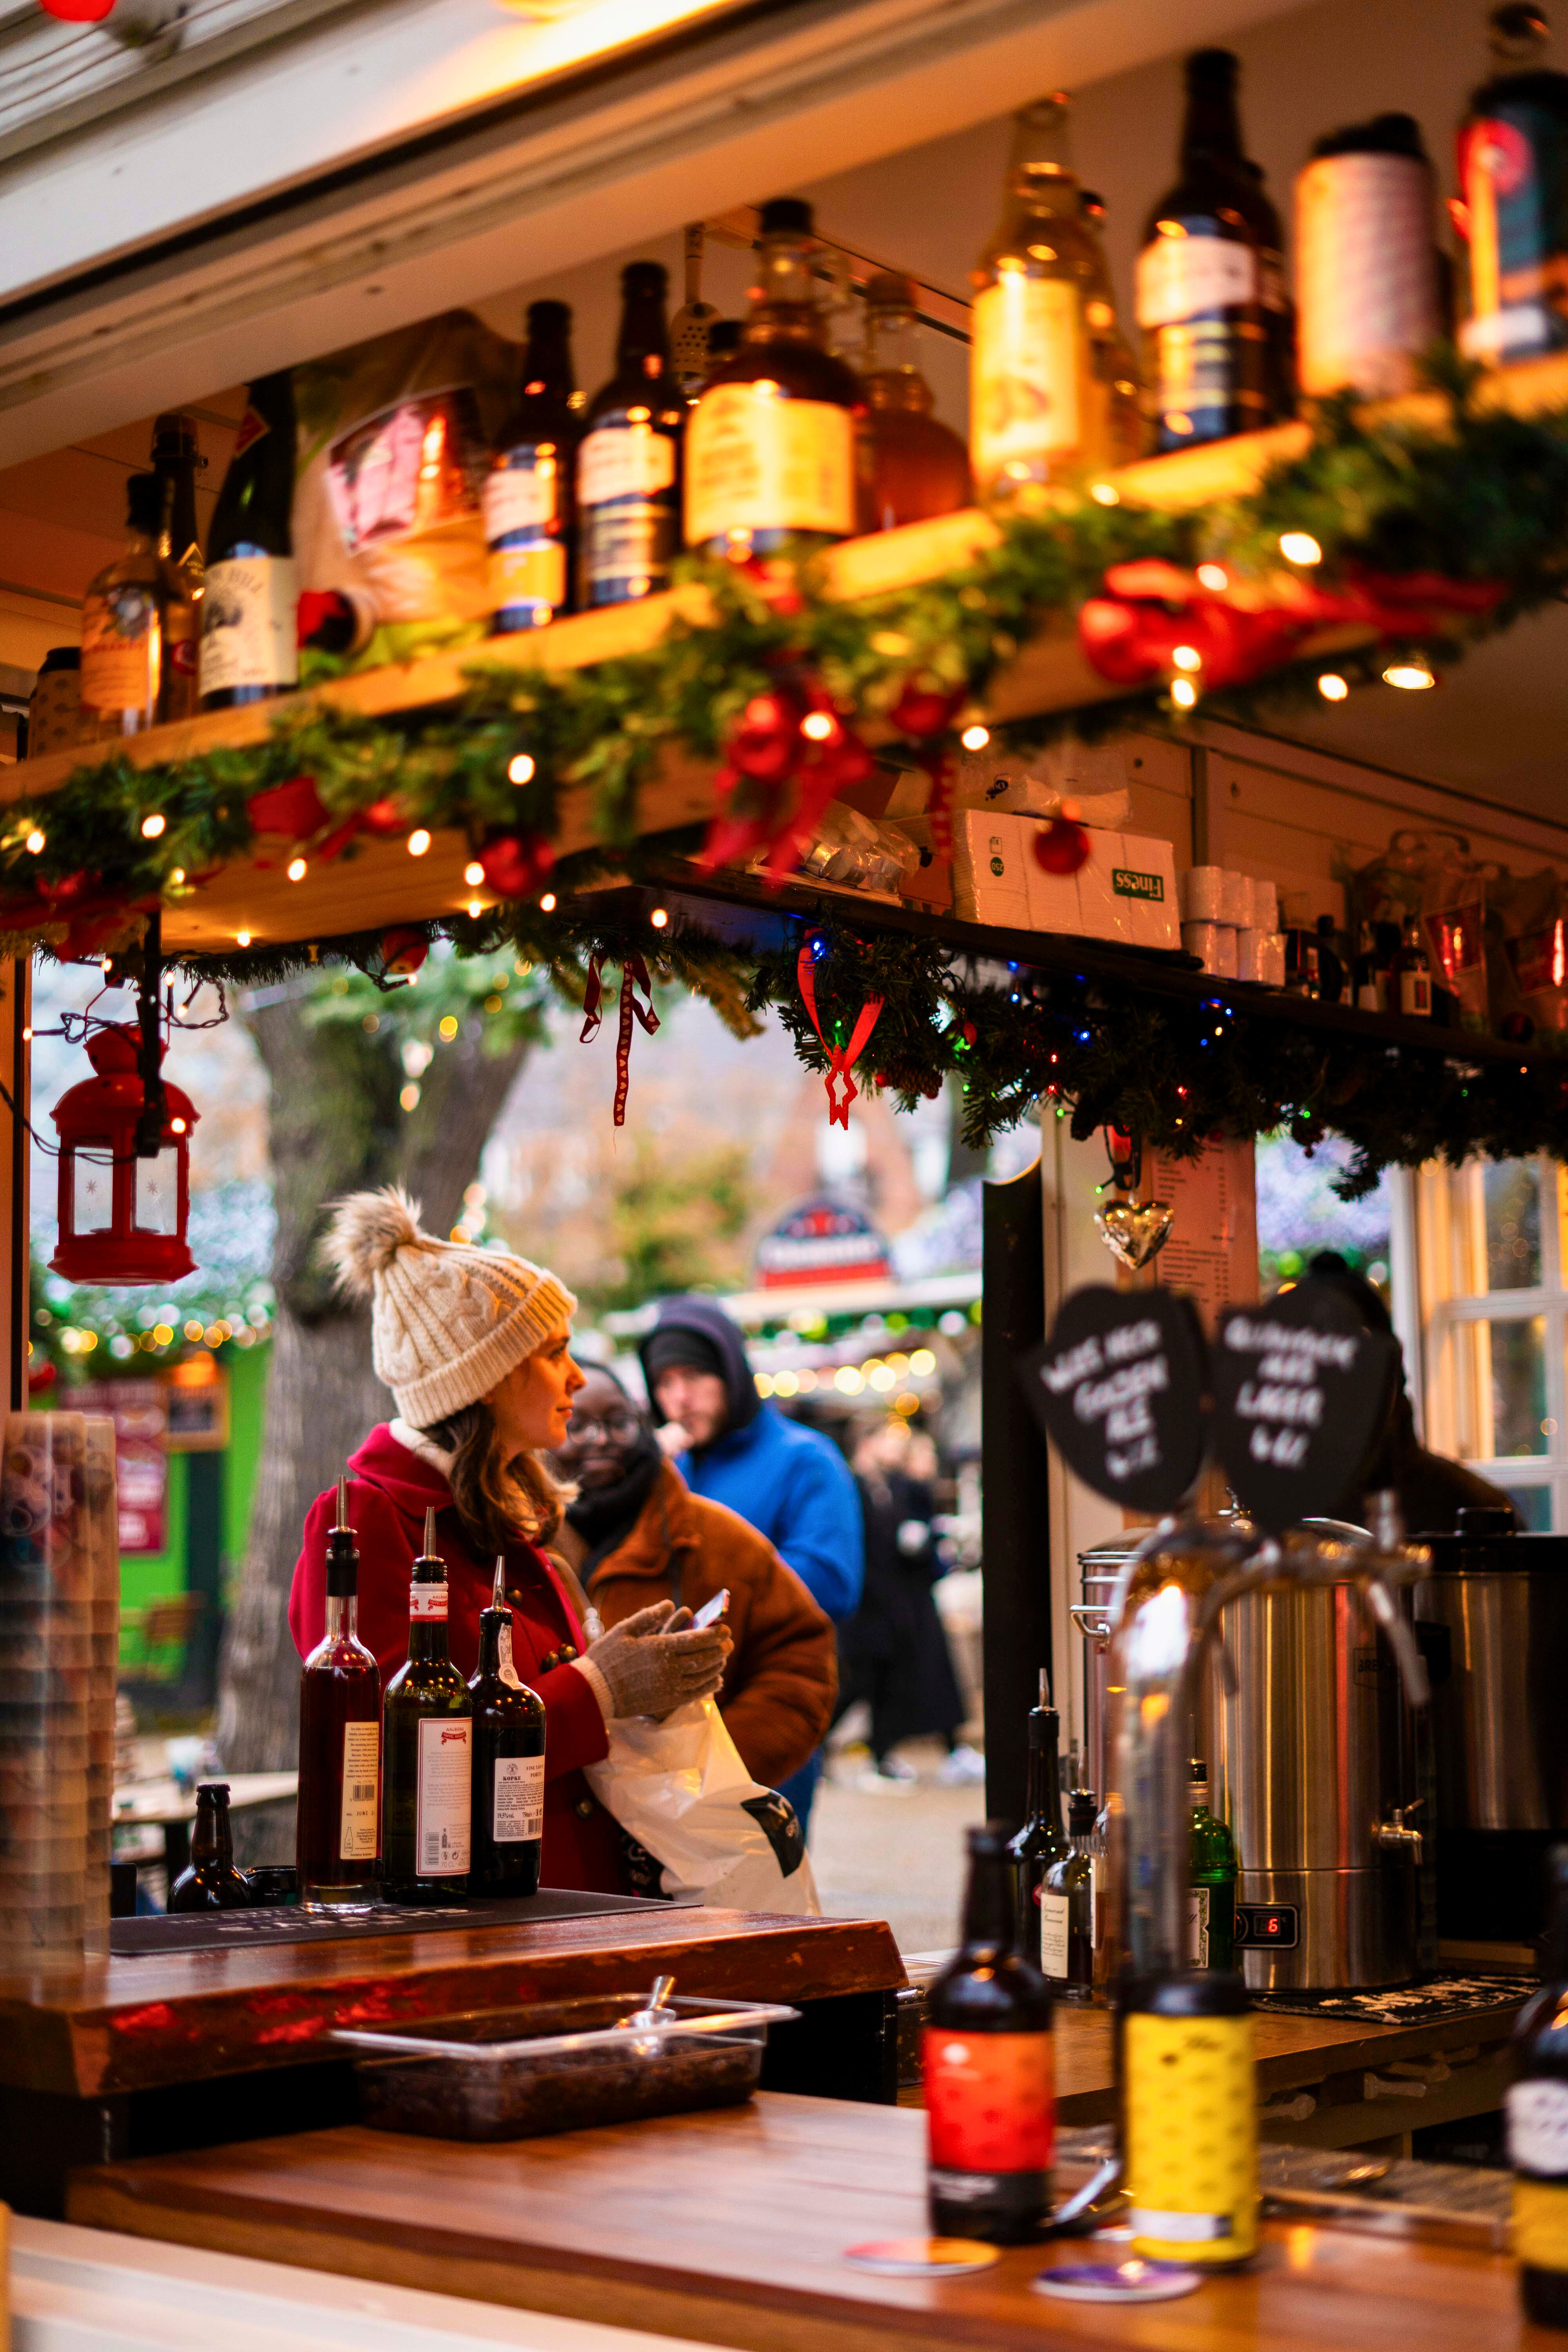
x: 637, y: 1534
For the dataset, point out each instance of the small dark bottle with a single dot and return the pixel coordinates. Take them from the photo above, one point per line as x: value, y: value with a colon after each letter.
x: 989, y: 2083
x: 509, y: 1762
x: 1537, y: 2111
x: 1042, y: 1841
x: 1332, y: 979
x: 628, y: 460
x: 338, y: 1823
x: 527, y: 493
x: 176, y: 462
x: 248, y: 608
x: 1066, y: 1908
x: 1368, y: 973
x: 1412, y: 974
x: 211, y: 1882
x: 427, y: 1752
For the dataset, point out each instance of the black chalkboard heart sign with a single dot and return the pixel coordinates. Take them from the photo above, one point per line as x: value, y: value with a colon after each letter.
x: 1120, y: 1387
x: 1301, y: 1393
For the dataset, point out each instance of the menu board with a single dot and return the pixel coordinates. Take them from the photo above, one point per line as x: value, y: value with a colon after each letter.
x: 1119, y: 1386
x: 1211, y: 1251
x: 1301, y: 1392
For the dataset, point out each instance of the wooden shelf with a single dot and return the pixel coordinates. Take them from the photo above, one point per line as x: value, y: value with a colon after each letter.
x: 380, y: 883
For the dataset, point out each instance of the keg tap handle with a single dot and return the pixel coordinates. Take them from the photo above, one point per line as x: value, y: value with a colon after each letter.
x: 1396, y: 1835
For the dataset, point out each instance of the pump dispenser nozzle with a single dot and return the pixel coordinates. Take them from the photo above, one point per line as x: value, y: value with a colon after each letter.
x: 342, y: 1554
x: 498, y: 1589
x: 430, y: 1535
x: 342, y: 1520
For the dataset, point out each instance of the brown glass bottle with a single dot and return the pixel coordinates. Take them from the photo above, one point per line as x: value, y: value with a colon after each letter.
x: 135, y: 612
x: 211, y: 1882
x: 509, y: 1762
x: 990, y: 2102
x: 338, y: 1823
x: 176, y: 461
x: 628, y: 460
x: 527, y: 493
x: 912, y: 465
x: 1111, y: 364
x: 427, y: 1752
x: 1211, y: 297
x: 770, y: 455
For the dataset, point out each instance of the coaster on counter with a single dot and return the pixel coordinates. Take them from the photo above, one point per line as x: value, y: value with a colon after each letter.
x: 1129, y: 2281
x: 924, y: 2257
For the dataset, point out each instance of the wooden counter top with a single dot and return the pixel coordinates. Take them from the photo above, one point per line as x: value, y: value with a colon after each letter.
x: 730, y: 2228
x: 133, y: 2025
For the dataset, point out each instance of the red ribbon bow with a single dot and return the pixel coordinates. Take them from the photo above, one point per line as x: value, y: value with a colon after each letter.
x: 633, y: 975
x: 841, y: 1058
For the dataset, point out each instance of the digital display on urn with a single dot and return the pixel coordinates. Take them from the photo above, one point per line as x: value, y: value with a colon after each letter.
x: 1259, y: 1924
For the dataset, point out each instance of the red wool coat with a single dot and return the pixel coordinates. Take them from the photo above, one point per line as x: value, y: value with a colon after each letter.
x: 390, y: 1490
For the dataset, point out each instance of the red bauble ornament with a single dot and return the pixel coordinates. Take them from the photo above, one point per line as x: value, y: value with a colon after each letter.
x: 77, y: 12
x: 766, y: 744
x: 386, y: 816
x: 122, y: 1219
x: 922, y: 710
x: 1062, y: 846
x: 516, y: 864
x: 293, y: 809
x: 403, y: 950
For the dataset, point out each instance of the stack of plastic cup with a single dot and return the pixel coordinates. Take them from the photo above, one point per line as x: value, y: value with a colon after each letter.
x: 101, y: 1512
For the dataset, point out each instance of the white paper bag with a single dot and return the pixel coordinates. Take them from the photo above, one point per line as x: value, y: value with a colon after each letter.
x: 680, y: 1788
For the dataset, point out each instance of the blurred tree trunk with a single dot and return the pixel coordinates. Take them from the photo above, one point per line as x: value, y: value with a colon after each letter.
x: 336, y: 1127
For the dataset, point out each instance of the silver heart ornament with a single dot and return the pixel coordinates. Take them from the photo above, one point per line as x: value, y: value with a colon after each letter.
x: 1134, y: 1231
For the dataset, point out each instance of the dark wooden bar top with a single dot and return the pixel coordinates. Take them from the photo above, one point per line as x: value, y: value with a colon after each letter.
x: 122, y: 2025
x: 730, y: 2228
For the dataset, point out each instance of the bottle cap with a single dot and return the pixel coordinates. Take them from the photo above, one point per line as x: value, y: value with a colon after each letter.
x: 786, y: 216
x: 1519, y: 32
x: 988, y: 1841
x: 213, y: 1790
x: 1386, y: 134
x: 645, y: 277
x: 889, y: 289
x: 1212, y: 69
x: 1081, y: 1812
x: 549, y: 318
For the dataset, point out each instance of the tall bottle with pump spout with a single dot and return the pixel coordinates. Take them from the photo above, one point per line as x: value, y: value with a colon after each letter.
x: 427, y: 1750
x: 509, y: 1761
x: 337, y: 1824
x: 1042, y: 1841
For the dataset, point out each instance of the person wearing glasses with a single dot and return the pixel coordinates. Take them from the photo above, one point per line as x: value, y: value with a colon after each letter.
x: 636, y: 1534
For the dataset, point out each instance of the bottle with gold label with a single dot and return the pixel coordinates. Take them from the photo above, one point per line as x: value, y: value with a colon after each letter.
x: 137, y: 609
x: 1537, y: 2110
x: 1114, y: 369
x: 912, y: 465
x: 628, y: 460
x: 1190, y: 2108
x: 527, y: 491
x: 1033, y: 415
x: 770, y: 451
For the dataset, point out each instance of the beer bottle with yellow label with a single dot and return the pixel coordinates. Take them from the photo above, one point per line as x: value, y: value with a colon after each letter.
x: 1537, y: 2110
x: 1190, y: 2102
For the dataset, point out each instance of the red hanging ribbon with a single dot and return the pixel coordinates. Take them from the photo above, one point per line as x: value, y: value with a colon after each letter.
x: 633, y: 975
x: 841, y: 1058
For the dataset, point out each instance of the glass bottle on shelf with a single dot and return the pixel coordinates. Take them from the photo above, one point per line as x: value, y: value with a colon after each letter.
x: 248, y: 609
x: 1369, y: 974
x: 338, y: 1822
x: 1066, y: 1908
x: 1513, y: 205
x: 1042, y: 1841
x: 176, y: 461
x: 1211, y: 1879
x: 1033, y: 415
x: 1413, y: 973
x: 427, y: 1752
x: 911, y: 465
x: 770, y: 452
x: 1113, y: 364
x: 629, y: 458
x: 1210, y: 281
x: 135, y: 612
x: 988, y: 2060
x: 210, y: 1882
x: 1536, y: 2105
x: 509, y: 1761
x: 527, y: 491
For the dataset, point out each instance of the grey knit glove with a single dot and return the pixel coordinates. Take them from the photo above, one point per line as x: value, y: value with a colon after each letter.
x: 649, y: 1669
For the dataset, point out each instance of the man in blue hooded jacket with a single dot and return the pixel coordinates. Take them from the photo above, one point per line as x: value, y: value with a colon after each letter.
x: 789, y: 1482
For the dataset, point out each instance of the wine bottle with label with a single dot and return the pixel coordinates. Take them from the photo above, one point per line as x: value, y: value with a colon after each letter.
x: 1189, y: 2096
x: 1066, y: 1908
x: 990, y: 2085
x: 1042, y: 1841
x: 338, y: 1822
x: 628, y: 460
x: 1211, y: 1878
x: 509, y: 1761
x: 135, y: 615
x: 1033, y: 415
x: 248, y: 645
x: 427, y: 1752
x: 527, y: 493
x: 1413, y: 973
x: 770, y: 451
x: 1211, y: 298
x: 1537, y: 2110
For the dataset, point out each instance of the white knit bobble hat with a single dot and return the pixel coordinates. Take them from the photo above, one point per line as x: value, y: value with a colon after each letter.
x: 447, y: 1321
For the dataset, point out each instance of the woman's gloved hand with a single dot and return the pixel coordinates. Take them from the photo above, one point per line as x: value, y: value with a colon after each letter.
x: 653, y: 1663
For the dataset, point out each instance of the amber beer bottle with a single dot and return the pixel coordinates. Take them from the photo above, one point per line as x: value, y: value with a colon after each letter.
x: 337, y: 1825
x: 428, y: 1751
x: 770, y: 452
x: 628, y: 460
x: 912, y: 465
x: 210, y: 1881
x: 1537, y: 2111
x: 990, y: 2086
x: 509, y: 1761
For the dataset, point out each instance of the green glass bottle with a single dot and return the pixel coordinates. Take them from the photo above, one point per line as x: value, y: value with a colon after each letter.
x: 1211, y: 1911
x: 427, y: 1752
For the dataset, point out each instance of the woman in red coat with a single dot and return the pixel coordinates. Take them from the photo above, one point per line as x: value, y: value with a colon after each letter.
x: 475, y: 1349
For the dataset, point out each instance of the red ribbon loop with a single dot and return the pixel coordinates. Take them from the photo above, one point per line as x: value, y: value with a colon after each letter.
x: 841, y: 1058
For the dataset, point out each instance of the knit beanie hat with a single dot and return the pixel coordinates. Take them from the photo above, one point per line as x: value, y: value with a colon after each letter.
x: 447, y: 1321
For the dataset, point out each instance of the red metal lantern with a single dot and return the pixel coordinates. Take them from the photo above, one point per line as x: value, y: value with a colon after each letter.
x: 122, y: 1218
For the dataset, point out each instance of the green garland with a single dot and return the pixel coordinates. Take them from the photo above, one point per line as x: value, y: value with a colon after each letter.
x: 1483, y: 501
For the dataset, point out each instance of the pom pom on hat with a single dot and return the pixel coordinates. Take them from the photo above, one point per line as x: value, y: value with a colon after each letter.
x: 447, y: 1321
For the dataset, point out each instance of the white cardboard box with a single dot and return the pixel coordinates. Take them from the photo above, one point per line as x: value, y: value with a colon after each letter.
x: 1126, y: 891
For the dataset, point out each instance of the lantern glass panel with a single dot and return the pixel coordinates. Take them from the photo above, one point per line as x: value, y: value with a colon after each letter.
x: 158, y: 1192
x: 92, y: 1188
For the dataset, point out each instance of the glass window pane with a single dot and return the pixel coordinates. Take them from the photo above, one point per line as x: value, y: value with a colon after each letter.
x: 92, y: 1188
x: 1519, y: 1387
x: 158, y: 1192
x: 1511, y: 1191
x: 1533, y: 1505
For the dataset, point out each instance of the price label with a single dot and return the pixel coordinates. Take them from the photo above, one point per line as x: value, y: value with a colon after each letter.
x: 1119, y: 1387
x: 1302, y: 1392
